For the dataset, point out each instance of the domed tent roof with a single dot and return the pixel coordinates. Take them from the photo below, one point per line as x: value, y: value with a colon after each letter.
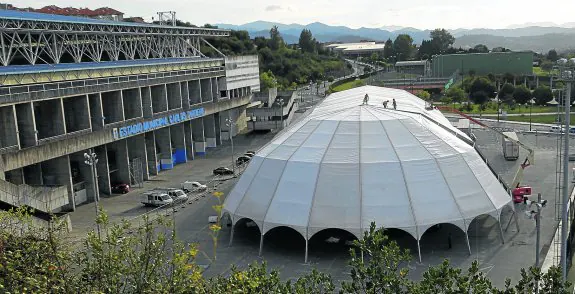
x: 347, y: 165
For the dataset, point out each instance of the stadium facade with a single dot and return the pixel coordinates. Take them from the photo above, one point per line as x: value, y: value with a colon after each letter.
x: 141, y: 96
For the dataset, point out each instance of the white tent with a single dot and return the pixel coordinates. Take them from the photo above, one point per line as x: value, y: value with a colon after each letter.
x: 348, y: 164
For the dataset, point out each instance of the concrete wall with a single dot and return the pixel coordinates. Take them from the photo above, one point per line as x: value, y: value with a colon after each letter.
x: 118, y: 162
x: 164, y: 148
x: 159, y: 99
x: 96, y: 111
x: 103, y: 169
x: 49, y: 118
x: 185, y: 95
x: 215, y: 90
x: 76, y: 113
x: 112, y: 107
x: 210, y: 131
x: 174, y: 96
x: 195, y: 92
x: 132, y: 103
x: 146, y: 94
x: 152, y: 159
x: 56, y: 172
x: 242, y: 71
x: 26, y: 125
x: 179, y: 151
x: 188, y: 137
x: 198, y: 136
x: 206, y: 90
x: 137, y: 152
x: 8, y: 127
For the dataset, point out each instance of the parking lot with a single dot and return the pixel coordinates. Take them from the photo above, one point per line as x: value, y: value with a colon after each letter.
x: 285, y: 251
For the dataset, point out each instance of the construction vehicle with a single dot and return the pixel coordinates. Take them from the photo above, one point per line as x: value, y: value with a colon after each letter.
x: 529, y: 160
x: 510, y: 147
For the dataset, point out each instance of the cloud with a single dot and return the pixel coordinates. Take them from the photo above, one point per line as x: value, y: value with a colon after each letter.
x: 273, y: 8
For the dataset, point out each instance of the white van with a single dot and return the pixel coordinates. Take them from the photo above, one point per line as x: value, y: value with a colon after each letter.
x: 193, y: 186
x: 178, y: 195
x: 156, y: 199
x: 556, y: 129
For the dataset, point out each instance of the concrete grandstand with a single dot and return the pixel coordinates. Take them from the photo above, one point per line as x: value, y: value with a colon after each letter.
x: 143, y: 97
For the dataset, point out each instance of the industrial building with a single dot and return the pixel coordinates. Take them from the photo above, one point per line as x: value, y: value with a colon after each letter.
x: 418, y: 67
x: 516, y: 63
x: 350, y: 163
x: 142, y: 97
x: 364, y: 49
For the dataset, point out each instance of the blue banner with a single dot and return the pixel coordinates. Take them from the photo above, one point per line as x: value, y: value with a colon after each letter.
x: 157, y: 123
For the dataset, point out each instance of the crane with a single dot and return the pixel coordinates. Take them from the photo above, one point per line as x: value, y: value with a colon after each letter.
x: 529, y: 160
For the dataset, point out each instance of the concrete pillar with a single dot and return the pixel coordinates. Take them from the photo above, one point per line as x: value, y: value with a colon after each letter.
x: 198, y: 136
x: 138, y: 156
x: 25, y: 119
x: 146, y: 94
x: 153, y: 163
x: 84, y: 175
x: 132, y: 103
x: 164, y: 148
x: 188, y: 137
x: 206, y: 90
x: 49, y: 118
x: 122, y: 172
x: 8, y: 127
x: 224, y: 129
x: 103, y: 169
x: 178, y: 143
x: 215, y: 92
x: 33, y: 175
x: 56, y: 172
x: 96, y: 112
x: 194, y: 90
x: 210, y: 131
x: 185, y: 95
x: 174, y: 96
x: 218, y: 126
x: 159, y: 98
x: 112, y: 107
x: 76, y: 113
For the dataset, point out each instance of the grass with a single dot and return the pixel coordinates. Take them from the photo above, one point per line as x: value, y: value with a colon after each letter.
x: 349, y: 85
x: 542, y: 119
x: 491, y: 108
x: 539, y: 72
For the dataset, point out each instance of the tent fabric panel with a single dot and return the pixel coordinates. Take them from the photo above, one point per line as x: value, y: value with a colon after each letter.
x: 385, y: 200
x: 309, y: 154
x: 342, y: 155
x: 336, y: 203
x: 448, y: 138
x: 407, y: 147
x: 283, y: 152
x: 296, y: 139
x: 495, y: 191
x: 345, y: 140
x: 293, y: 196
x: 261, y: 191
x: 318, y: 140
x: 468, y: 193
x: 432, y: 143
x: 431, y: 198
x: 326, y: 127
x: 236, y: 195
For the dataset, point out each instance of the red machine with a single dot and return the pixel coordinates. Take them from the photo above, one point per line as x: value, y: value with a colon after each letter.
x: 520, y: 192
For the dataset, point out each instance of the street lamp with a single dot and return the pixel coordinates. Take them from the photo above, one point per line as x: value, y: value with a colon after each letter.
x: 229, y: 124
x: 536, y: 214
x: 91, y: 159
x: 530, y: 110
x: 281, y: 102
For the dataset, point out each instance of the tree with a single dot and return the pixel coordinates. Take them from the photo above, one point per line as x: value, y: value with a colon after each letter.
x: 306, y: 41
x: 522, y: 94
x: 268, y: 80
x: 441, y: 39
x: 374, y: 57
x: 481, y: 89
x: 552, y: 55
x: 367, y: 69
x: 423, y: 95
x: 480, y: 48
x: 508, y: 77
x: 425, y: 51
x: 276, y: 40
x: 403, y: 46
x: 456, y: 94
x: 388, y: 49
x: 330, y: 79
x: 546, y: 65
x: 506, y: 93
x: 542, y: 95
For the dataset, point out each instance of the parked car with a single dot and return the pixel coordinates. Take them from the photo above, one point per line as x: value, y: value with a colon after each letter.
x: 192, y: 186
x: 178, y: 195
x: 242, y: 160
x: 120, y: 188
x: 250, y: 153
x: 556, y: 129
x: 220, y: 171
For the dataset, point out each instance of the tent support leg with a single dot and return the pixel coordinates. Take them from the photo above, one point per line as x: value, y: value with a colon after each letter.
x: 501, y: 232
x: 419, y: 251
x: 306, y: 251
x: 467, y: 240
x: 261, y: 244
x: 231, y: 236
x: 516, y: 221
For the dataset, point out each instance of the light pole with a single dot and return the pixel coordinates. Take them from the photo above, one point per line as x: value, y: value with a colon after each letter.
x: 530, y: 108
x: 281, y: 102
x: 91, y: 159
x: 536, y: 214
x: 229, y: 124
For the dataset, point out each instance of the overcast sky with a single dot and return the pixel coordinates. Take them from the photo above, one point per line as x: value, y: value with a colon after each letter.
x: 422, y: 14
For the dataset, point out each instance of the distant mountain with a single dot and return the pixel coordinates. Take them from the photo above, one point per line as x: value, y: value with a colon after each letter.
x: 533, y: 24
x: 517, y: 37
x: 541, y: 43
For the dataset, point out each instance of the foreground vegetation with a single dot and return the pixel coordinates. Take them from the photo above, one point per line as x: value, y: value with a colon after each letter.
x: 151, y: 259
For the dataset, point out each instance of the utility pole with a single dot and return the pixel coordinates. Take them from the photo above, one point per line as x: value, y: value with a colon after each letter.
x: 565, y: 202
x: 91, y: 159
x: 229, y: 124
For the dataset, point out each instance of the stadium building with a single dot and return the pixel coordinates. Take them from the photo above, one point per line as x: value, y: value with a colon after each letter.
x: 142, y: 97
